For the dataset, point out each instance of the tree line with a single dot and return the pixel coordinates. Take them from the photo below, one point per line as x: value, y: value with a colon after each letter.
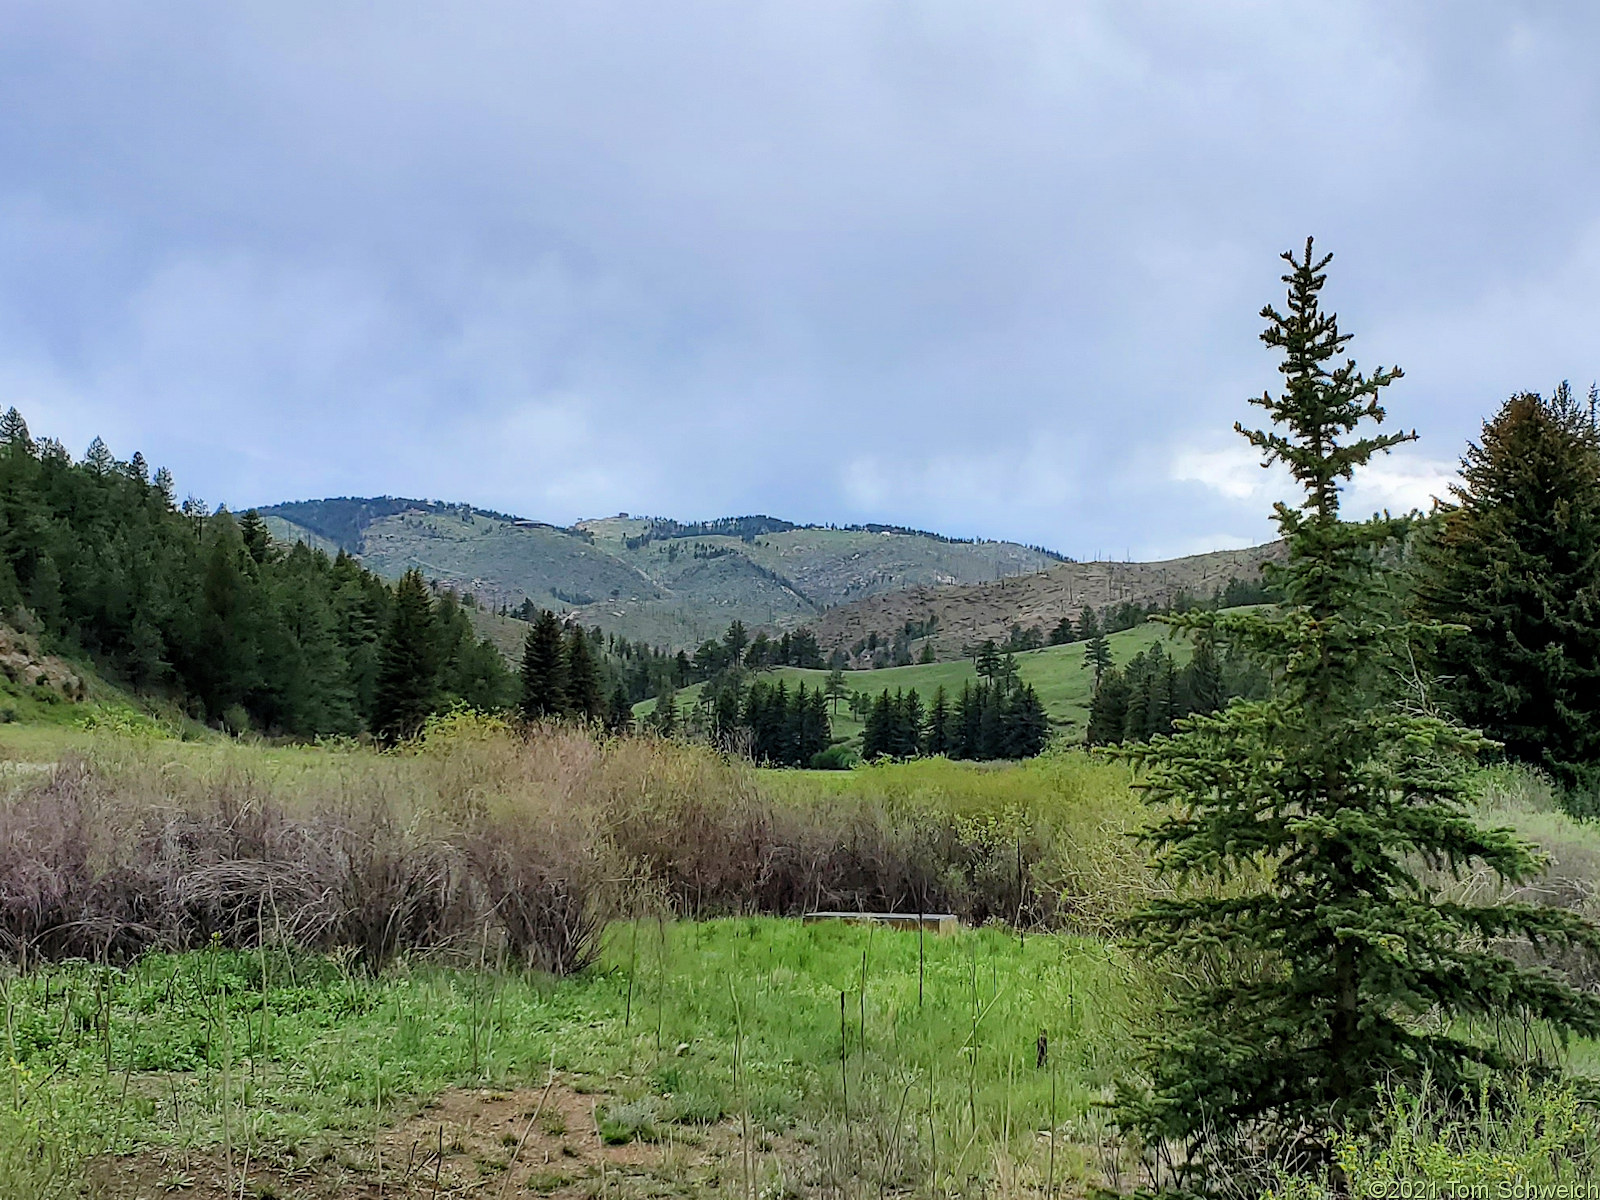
x: 985, y: 721
x: 1148, y: 697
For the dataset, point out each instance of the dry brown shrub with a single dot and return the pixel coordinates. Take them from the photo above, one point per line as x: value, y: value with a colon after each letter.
x: 530, y: 838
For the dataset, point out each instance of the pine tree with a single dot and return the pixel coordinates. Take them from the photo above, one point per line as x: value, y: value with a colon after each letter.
x: 909, y: 725
x: 584, y: 699
x: 1203, y: 688
x: 876, y: 738
x: 725, y: 714
x: 1517, y: 561
x: 14, y: 431
x: 836, y: 687
x: 937, y: 740
x: 619, y: 717
x: 99, y: 459
x: 1007, y: 673
x: 1108, y: 710
x: 1351, y: 971
x: 1029, y: 731
x: 1063, y: 632
x: 408, y: 674
x: 1097, y: 654
x: 257, y: 540
x: 968, y: 722
x: 544, y: 670
x: 988, y: 660
x: 1088, y: 625
x: 664, y: 717
x: 735, y: 640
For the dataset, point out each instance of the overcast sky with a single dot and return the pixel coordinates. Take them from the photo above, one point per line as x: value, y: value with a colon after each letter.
x: 985, y: 267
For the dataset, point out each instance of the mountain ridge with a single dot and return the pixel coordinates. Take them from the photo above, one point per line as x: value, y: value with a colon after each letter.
x: 657, y: 579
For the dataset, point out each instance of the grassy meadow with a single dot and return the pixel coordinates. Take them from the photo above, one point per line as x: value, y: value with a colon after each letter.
x: 559, y: 965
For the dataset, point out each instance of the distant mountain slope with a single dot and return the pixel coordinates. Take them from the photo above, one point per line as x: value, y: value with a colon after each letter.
x: 666, y: 582
x: 988, y: 610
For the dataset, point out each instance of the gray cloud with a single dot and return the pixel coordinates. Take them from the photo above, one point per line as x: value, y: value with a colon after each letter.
x: 988, y: 268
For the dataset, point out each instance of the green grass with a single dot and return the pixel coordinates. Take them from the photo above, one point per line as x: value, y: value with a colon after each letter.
x: 1065, y: 683
x: 290, y: 1055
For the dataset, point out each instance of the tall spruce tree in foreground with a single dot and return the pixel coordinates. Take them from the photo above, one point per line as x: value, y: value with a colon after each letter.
x: 1517, y: 560
x: 1330, y: 964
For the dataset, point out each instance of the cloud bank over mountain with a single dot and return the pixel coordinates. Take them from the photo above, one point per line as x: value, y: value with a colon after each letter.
x: 988, y: 269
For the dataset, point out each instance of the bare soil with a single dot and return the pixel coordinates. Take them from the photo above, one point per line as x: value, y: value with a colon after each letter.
x: 480, y: 1143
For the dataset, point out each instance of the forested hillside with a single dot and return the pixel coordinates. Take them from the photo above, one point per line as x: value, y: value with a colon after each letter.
x: 208, y: 613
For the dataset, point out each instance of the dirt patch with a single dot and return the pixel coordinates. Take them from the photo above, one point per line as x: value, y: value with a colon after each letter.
x: 483, y: 1143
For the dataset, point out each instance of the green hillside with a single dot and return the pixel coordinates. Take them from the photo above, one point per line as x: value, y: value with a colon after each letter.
x: 1058, y: 673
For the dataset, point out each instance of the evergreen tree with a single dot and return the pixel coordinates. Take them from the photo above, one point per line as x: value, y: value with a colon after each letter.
x: 1517, y: 560
x: 988, y: 660
x: 582, y: 693
x: 1063, y: 632
x: 1088, y: 625
x: 877, y: 737
x: 619, y: 718
x: 836, y: 687
x: 1030, y: 724
x: 1108, y: 710
x: 969, y: 721
x: 734, y: 641
x: 812, y: 730
x: 725, y: 712
x: 1203, y: 688
x: 544, y: 669
x: 908, y: 731
x: 253, y: 532
x: 1097, y: 654
x: 408, y: 675
x: 1006, y: 674
x: 664, y: 717
x: 1350, y: 971
x: 938, y: 739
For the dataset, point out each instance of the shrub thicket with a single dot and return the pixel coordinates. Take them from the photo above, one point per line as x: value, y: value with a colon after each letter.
x: 530, y: 838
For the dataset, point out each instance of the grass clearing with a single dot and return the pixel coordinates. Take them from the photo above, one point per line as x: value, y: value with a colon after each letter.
x: 837, y: 1048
